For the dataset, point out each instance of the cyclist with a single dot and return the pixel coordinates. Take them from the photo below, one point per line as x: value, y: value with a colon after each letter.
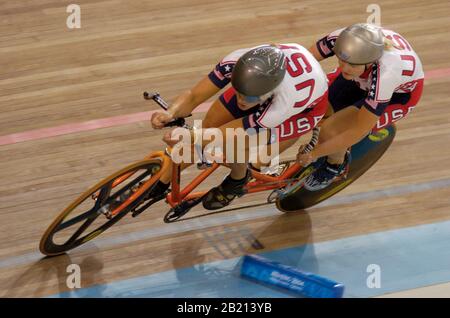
x: 379, y: 81
x: 272, y: 86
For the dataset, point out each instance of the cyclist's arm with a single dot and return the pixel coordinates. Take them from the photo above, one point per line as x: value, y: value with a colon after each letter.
x: 323, y: 48
x: 190, y: 99
x: 315, y: 52
x: 365, y: 121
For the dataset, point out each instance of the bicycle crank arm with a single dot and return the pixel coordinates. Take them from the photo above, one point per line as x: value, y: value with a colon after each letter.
x: 181, y: 209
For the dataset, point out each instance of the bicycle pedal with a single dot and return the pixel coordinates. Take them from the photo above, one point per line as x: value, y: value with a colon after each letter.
x: 181, y: 209
x: 176, y: 212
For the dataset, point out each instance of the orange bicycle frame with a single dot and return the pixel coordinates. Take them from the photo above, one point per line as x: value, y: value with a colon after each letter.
x: 262, y: 183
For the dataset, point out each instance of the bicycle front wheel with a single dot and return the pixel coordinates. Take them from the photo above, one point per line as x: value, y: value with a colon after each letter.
x: 101, y: 206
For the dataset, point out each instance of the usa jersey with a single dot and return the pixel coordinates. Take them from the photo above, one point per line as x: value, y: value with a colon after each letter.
x: 303, y: 86
x: 397, y: 71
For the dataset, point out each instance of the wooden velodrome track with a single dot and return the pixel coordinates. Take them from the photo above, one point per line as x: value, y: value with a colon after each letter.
x: 52, y: 76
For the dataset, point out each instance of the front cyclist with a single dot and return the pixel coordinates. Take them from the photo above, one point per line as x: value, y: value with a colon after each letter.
x: 280, y: 86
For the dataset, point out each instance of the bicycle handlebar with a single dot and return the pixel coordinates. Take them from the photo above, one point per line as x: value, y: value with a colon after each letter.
x: 180, y: 122
x: 157, y: 99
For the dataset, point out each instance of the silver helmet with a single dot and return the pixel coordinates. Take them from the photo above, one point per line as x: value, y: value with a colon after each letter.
x: 259, y: 71
x: 360, y: 43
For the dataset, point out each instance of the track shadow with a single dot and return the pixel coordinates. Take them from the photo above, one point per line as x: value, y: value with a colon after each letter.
x: 228, y: 210
x: 200, y: 275
x: 50, y: 275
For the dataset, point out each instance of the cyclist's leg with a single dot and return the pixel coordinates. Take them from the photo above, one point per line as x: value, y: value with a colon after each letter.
x: 335, y: 165
x: 260, y: 155
x: 300, y: 126
x: 342, y: 94
x: 399, y: 107
x: 235, y: 149
x: 224, y: 110
x: 272, y: 150
x: 216, y: 116
x: 284, y: 136
x: 330, y: 111
x: 335, y: 125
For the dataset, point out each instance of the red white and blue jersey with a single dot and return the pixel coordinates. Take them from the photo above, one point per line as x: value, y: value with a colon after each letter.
x: 397, y: 71
x: 303, y: 86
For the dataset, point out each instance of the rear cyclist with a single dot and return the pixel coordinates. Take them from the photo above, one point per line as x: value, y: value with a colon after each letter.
x: 379, y: 81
